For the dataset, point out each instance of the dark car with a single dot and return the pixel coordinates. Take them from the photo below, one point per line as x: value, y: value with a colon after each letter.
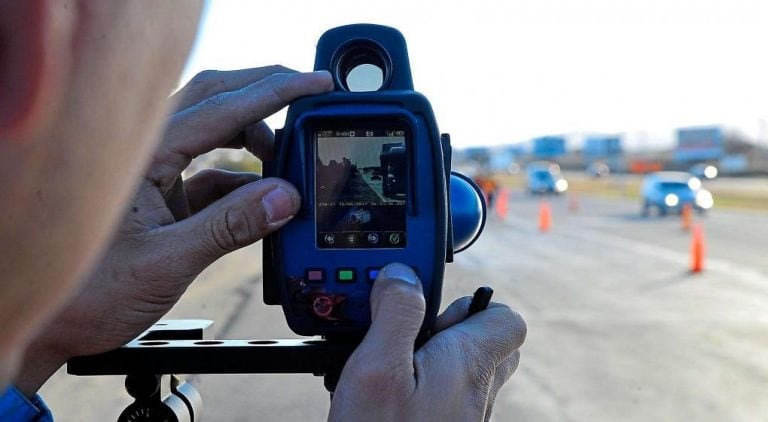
x: 393, y: 162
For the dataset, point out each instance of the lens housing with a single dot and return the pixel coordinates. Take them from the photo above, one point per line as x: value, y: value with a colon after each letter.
x: 356, y: 53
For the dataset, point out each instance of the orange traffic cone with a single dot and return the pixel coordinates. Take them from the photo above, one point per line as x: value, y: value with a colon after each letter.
x: 545, y: 217
x: 573, y: 203
x: 502, y: 200
x: 697, y: 249
x: 685, y: 217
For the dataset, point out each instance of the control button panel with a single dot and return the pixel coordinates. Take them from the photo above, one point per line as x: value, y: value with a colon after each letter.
x: 361, y: 240
x: 345, y: 275
x: 316, y: 298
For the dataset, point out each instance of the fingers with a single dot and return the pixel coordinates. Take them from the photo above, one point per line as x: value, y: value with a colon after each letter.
x: 453, y: 314
x: 503, y: 372
x: 210, y: 185
x: 215, y: 121
x: 240, y: 218
x: 489, y: 338
x: 483, y: 340
x: 384, y: 360
x: 211, y: 82
x: 257, y: 138
x: 397, y: 313
x: 479, y: 351
x: 494, y: 333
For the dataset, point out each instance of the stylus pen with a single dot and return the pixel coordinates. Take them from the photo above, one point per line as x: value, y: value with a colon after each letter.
x: 480, y: 300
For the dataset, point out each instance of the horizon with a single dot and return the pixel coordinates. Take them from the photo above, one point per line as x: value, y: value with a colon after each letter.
x: 642, y: 69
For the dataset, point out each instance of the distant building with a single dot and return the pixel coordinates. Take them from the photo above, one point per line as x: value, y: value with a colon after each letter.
x: 548, y: 147
x: 506, y: 158
x: 601, y: 147
x: 479, y: 156
x: 606, y: 149
x: 699, y: 144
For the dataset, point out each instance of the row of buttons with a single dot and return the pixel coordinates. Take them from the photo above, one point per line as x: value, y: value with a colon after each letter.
x: 343, y: 275
x: 357, y: 238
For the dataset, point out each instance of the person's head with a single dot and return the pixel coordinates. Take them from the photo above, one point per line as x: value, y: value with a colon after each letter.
x: 83, y: 94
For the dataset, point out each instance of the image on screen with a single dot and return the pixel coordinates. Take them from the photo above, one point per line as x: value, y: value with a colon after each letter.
x: 360, y: 188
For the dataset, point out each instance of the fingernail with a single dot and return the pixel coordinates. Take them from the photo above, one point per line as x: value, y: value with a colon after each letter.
x: 278, y: 204
x: 399, y: 272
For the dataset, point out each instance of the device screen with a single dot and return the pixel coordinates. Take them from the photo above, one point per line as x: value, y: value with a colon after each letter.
x: 360, y: 188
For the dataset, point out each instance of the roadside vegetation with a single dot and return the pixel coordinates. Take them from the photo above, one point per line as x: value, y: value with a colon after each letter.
x: 628, y: 187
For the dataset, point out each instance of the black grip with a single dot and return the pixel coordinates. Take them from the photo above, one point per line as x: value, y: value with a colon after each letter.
x: 480, y: 300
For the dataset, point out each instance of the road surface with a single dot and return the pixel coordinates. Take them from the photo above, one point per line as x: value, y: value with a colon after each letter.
x: 618, y: 327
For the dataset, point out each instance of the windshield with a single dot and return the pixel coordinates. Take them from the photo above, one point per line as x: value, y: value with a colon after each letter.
x: 673, y: 186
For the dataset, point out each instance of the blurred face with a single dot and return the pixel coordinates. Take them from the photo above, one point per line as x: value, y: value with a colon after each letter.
x: 107, y: 70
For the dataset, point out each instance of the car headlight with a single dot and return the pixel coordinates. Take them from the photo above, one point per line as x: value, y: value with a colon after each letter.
x: 671, y: 200
x: 710, y: 172
x: 704, y: 199
x: 561, y: 185
x: 694, y: 183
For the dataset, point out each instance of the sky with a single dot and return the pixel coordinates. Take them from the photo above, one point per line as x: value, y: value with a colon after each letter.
x: 364, y: 152
x: 500, y: 72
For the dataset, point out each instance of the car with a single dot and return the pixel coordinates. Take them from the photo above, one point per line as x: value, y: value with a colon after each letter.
x: 393, y: 166
x: 670, y: 191
x: 598, y: 169
x: 545, y: 177
x: 359, y: 216
x: 704, y: 171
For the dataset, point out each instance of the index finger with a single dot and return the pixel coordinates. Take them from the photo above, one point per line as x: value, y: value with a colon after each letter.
x: 462, y: 308
x: 215, y: 121
x: 493, y: 334
x: 211, y: 82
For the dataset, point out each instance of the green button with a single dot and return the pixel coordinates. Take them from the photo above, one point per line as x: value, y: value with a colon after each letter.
x: 346, y: 275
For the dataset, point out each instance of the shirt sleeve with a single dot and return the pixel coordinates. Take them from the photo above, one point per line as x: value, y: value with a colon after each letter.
x: 15, y: 407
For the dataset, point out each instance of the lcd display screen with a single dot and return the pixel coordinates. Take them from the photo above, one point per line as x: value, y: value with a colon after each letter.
x: 360, y: 188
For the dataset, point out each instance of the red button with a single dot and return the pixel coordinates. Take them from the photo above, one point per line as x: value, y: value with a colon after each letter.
x: 322, y: 306
x: 315, y: 275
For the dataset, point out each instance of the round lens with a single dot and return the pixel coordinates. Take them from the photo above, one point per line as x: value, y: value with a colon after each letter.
x: 362, y: 66
x: 364, y: 78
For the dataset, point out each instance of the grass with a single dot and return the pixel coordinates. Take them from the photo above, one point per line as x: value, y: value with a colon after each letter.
x: 629, y: 188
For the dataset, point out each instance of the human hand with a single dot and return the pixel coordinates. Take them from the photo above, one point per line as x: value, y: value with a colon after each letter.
x: 455, y: 376
x: 175, y: 228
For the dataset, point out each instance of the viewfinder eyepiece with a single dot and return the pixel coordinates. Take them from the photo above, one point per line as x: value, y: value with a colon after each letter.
x: 362, y: 66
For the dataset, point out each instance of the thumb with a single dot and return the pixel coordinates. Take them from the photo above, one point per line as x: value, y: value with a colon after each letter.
x: 397, y: 312
x: 238, y: 219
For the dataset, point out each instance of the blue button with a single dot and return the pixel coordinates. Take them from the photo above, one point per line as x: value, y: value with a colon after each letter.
x: 371, y: 274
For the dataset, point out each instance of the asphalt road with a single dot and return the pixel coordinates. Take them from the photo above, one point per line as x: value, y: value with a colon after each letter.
x: 618, y: 327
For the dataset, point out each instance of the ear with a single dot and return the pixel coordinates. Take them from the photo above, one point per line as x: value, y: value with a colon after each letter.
x: 35, y: 50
